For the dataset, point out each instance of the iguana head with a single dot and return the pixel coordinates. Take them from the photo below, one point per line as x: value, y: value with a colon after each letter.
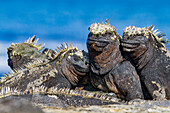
x: 101, y: 35
x: 144, y: 36
x: 20, y: 54
x: 140, y: 42
x: 73, y: 63
x: 103, y: 47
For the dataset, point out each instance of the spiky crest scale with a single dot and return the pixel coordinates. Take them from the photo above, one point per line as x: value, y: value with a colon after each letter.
x: 7, y: 91
x: 102, y: 28
x: 6, y: 76
x: 33, y: 42
x: 63, y: 49
x: 27, y: 66
x: 49, y: 52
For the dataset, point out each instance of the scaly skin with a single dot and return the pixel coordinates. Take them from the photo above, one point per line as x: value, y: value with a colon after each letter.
x: 109, y: 70
x: 152, y: 60
x: 65, y: 70
x: 27, y: 54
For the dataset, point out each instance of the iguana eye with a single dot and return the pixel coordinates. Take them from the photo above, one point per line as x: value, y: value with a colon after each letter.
x: 16, y: 58
x: 76, y: 58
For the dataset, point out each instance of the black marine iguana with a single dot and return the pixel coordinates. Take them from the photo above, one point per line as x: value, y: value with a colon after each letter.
x: 109, y: 70
x: 146, y: 48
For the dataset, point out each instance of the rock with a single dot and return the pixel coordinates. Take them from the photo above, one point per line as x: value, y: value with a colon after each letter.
x: 17, y: 105
x: 56, y: 104
x: 132, y: 107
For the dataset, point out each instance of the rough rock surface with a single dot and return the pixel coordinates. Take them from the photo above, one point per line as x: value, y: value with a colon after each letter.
x: 15, y: 104
x: 18, y: 105
x: 145, y: 107
x: 61, y: 100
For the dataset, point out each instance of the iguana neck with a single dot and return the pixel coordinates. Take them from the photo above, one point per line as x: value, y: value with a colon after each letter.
x: 146, y: 57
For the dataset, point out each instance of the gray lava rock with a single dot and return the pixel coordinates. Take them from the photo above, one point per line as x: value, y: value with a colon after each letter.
x: 15, y: 104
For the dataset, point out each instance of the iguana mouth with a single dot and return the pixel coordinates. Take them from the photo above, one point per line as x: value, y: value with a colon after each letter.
x: 102, y: 42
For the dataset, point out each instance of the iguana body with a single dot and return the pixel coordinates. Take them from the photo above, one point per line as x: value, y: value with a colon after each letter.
x: 109, y: 70
x: 152, y: 60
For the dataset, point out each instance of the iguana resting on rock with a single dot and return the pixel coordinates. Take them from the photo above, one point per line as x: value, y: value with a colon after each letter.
x: 152, y: 59
x: 109, y: 70
x: 50, y: 73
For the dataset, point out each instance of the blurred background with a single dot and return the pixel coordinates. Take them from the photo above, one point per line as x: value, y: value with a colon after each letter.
x: 59, y: 21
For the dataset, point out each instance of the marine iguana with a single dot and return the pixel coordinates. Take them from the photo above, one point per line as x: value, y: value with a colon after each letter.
x: 69, y: 65
x: 110, y: 71
x: 146, y: 47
